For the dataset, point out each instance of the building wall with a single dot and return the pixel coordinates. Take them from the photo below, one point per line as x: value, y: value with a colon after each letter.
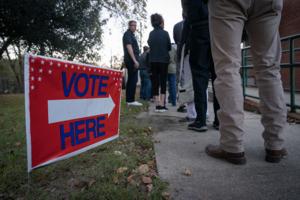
x: 290, y: 25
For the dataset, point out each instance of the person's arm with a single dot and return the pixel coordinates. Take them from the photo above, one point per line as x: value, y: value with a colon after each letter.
x: 184, y: 38
x: 169, y: 42
x: 175, y: 34
x: 132, y: 56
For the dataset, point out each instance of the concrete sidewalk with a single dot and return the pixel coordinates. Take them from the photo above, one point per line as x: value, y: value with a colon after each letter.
x: 178, y: 149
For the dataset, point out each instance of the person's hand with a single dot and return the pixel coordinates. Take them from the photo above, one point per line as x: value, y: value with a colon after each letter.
x: 136, y: 64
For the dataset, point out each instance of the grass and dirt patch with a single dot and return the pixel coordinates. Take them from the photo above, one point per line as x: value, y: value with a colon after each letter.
x: 122, y: 169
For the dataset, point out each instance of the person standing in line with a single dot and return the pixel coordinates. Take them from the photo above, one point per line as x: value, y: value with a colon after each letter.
x: 261, y: 19
x: 196, y: 30
x: 177, y: 35
x: 172, y: 75
x: 160, y: 45
x: 185, y: 88
x: 144, y: 68
x: 131, y: 57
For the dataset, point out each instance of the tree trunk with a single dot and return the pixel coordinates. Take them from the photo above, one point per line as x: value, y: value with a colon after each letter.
x: 21, y: 67
x: 5, y: 45
x: 13, y: 67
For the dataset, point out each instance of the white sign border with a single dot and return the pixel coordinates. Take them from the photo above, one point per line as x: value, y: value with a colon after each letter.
x: 27, y: 111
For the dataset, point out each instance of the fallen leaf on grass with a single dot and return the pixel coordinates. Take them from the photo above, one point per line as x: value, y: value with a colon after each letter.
x: 17, y: 144
x: 116, y: 180
x: 131, y: 181
x: 143, y: 169
x: 149, y: 187
x: 187, y: 172
x: 130, y: 178
x: 166, y: 195
x: 153, y: 173
x: 92, y: 182
x: 118, y: 153
x: 121, y: 170
x: 151, y: 163
x: 146, y: 180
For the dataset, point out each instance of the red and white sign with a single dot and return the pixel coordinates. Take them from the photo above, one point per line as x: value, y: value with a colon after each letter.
x: 70, y: 108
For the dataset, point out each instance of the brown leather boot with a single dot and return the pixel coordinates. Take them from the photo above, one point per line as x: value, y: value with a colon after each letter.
x: 217, y: 152
x: 275, y: 156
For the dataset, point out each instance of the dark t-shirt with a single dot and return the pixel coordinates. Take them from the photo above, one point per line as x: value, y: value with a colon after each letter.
x: 129, y: 38
x: 160, y: 45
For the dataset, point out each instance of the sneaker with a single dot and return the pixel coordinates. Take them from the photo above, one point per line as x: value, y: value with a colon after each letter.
x: 165, y: 108
x: 135, y: 103
x: 197, y: 126
x: 160, y: 109
x: 216, y: 126
x: 182, y: 109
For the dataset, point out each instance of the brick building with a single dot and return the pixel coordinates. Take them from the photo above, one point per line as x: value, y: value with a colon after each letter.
x: 290, y: 25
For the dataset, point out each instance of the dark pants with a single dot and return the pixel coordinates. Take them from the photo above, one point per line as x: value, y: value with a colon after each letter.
x: 202, y: 67
x: 159, y: 77
x: 172, y: 89
x: 131, y: 82
x: 145, y: 92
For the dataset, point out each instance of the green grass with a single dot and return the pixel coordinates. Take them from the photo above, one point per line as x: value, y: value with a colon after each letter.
x: 91, y: 175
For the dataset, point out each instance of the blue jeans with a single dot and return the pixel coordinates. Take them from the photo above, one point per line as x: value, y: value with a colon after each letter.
x: 172, y: 89
x: 145, y: 92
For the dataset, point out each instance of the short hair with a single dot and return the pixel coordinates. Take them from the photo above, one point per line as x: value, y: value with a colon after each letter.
x: 156, y: 20
x: 131, y: 21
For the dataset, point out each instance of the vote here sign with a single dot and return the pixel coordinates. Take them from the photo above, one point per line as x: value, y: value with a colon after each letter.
x: 70, y: 108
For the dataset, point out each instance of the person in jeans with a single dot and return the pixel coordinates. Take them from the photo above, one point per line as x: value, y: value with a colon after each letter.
x: 261, y: 19
x: 160, y: 45
x: 196, y: 30
x: 145, y: 92
x: 172, y: 75
x: 131, y: 57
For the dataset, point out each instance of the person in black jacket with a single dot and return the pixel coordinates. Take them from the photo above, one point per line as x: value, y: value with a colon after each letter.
x: 160, y: 45
x: 196, y: 31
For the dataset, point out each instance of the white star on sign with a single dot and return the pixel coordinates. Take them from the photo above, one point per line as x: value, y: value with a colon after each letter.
x: 32, y: 69
x: 50, y: 71
x: 32, y: 60
x: 32, y: 87
x: 32, y: 78
x: 72, y: 66
x: 41, y: 70
x: 66, y: 66
x: 51, y: 63
x: 42, y: 62
x: 58, y: 64
x: 40, y: 79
